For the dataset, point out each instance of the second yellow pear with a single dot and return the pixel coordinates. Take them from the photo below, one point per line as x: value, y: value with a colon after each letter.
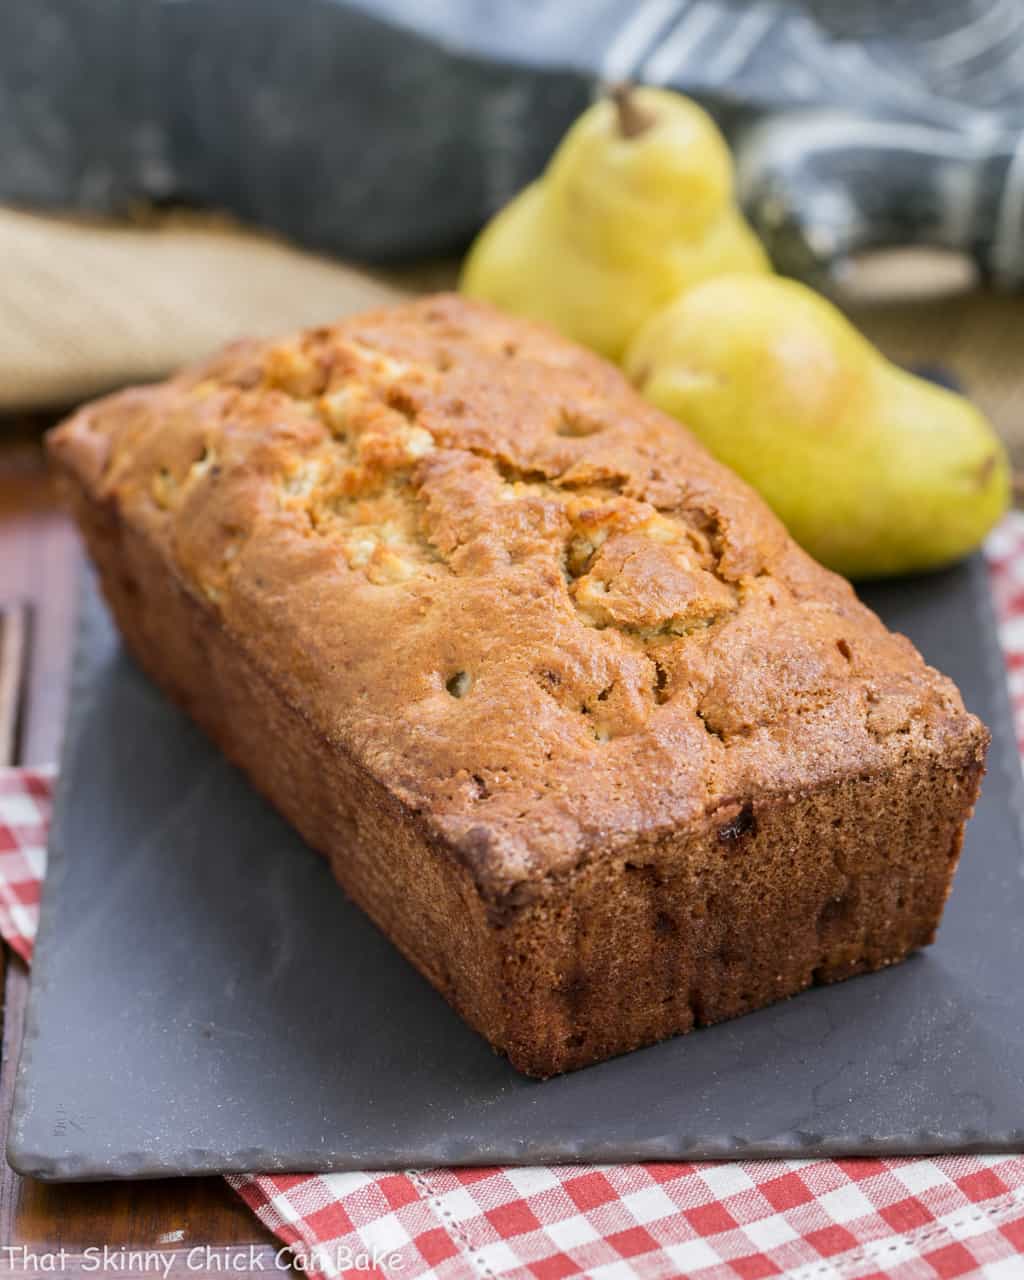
x: 873, y: 470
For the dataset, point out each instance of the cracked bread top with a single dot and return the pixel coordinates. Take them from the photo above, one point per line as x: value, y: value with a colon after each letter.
x: 527, y: 601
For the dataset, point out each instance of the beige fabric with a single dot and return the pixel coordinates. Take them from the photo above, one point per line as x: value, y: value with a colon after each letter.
x: 88, y: 306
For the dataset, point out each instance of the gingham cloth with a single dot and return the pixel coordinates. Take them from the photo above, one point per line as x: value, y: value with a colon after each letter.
x: 932, y: 1219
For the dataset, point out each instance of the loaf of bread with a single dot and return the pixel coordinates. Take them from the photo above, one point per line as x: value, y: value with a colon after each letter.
x: 577, y: 724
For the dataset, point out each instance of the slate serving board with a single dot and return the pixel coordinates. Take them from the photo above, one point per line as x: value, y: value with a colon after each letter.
x: 205, y: 1000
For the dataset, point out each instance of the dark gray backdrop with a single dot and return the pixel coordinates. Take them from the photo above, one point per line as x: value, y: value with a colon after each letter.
x: 389, y: 129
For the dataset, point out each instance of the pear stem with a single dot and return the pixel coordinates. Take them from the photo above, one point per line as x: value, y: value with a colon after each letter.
x: 633, y: 120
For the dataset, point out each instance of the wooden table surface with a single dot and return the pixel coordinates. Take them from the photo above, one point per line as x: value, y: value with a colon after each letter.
x: 39, y: 561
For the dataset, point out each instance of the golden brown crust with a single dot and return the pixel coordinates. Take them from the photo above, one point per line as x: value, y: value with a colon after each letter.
x: 524, y: 600
x: 671, y: 931
x: 442, y: 584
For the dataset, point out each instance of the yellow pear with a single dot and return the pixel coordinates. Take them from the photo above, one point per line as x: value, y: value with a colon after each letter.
x: 635, y: 206
x: 873, y: 470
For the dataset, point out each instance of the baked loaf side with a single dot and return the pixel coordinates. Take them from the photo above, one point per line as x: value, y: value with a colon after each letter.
x: 579, y: 726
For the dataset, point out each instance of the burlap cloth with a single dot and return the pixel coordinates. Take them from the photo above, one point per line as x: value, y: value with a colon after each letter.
x: 85, y: 307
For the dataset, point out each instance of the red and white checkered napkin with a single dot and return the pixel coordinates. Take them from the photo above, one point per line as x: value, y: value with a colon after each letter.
x: 805, y: 1219
x: 24, y: 821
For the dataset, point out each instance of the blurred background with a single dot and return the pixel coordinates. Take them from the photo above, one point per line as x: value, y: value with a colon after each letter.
x: 175, y: 172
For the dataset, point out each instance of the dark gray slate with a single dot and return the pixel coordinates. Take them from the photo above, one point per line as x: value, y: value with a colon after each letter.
x: 204, y: 999
x: 390, y: 129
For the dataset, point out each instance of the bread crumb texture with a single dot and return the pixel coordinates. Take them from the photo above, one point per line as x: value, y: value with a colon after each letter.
x: 528, y: 602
